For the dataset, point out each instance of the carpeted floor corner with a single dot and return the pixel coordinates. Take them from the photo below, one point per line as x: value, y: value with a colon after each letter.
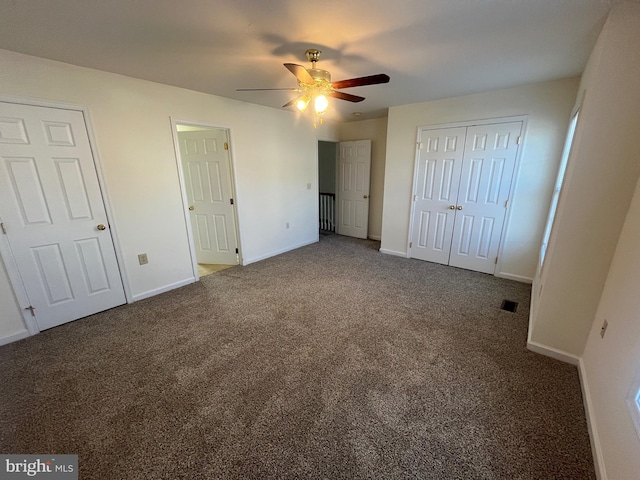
x: 332, y: 361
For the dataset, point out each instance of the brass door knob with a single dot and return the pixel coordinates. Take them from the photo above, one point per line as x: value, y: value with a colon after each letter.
x: 365, y: 196
x: 452, y: 207
x: 459, y: 207
x: 191, y: 207
x: 101, y: 227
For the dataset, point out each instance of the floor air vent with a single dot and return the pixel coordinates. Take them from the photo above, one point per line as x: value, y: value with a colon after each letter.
x: 509, y: 306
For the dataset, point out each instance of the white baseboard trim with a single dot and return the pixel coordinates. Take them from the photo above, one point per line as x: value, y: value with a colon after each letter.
x: 553, y: 353
x: 517, y: 278
x: 594, y: 439
x: 158, y: 291
x: 14, y: 337
x: 393, y: 252
x: 375, y: 237
x: 247, y: 261
x: 596, y: 448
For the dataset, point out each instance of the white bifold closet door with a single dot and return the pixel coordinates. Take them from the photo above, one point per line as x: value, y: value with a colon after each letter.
x: 462, y: 185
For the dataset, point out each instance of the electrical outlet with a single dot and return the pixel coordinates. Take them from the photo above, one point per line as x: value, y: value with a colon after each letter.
x: 142, y: 259
x: 603, y: 330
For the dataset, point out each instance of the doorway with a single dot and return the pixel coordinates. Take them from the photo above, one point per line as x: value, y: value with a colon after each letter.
x: 344, y: 171
x: 327, y: 161
x: 206, y: 174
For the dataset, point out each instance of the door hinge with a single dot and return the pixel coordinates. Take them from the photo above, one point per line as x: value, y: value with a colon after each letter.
x: 32, y: 310
x: 4, y: 229
x: 231, y: 201
x: 415, y: 197
x: 419, y: 145
x: 506, y: 204
x: 496, y: 262
x: 410, y: 244
x: 226, y: 146
x: 518, y: 140
x: 237, y: 251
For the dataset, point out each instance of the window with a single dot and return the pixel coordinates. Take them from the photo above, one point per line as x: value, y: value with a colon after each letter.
x: 633, y: 402
x: 558, y: 185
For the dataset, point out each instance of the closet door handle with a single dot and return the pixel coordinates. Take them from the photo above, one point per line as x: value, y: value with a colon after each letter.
x: 459, y: 207
x: 452, y: 207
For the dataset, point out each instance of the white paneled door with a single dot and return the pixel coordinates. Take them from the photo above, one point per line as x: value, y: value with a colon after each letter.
x: 354, y: 172
x: 463, y: 182
x: 54, y: 216
x: 436, y: 193
x: 206, y: 165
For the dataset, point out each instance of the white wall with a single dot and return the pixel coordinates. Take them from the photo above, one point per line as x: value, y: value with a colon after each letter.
x: 602, y: 171
x: 274, y: 154
x: 611, y: 363
x: 548, y: 106
x: 376, y: 131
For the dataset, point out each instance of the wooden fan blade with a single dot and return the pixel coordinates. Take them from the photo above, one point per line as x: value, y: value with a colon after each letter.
x: 346, y: 96
x: 361, y: 81
x: 300, y: 72
x: 266, y: 89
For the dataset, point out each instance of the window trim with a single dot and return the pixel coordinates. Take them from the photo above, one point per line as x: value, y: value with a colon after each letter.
x: 557, y: 189
x: 633, y: 402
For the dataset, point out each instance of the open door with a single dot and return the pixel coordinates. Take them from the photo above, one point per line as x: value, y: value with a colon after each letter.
x: 207, y: 173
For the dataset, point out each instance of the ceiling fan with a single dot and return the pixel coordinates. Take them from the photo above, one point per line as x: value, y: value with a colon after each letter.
x: 315, y: 85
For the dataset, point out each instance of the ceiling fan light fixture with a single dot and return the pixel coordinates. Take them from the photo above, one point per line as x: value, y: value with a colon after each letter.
x: 303, y: 102
x: 320, y: 104
x: 314, y: 84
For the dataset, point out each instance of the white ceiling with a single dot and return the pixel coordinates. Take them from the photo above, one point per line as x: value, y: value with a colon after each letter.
x: 431, y: 49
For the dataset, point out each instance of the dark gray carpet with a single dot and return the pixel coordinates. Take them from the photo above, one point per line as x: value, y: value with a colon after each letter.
x: 332, y: 361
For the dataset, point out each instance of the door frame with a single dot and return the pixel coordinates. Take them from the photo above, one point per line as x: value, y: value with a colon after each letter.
x: 183, y: 191
x: 11, y: 266
x: 514, y: 180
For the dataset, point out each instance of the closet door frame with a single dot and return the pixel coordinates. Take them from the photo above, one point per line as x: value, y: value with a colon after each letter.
x: 514, y: 182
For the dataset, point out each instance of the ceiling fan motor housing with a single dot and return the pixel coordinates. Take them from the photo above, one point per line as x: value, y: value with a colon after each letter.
x: 319, y: 75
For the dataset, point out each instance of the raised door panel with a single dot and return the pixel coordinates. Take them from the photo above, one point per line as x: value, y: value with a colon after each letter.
x: 26, y: 190
x: 194, y: 179
x: 73, y: 188
x: 93, y: 266
x: 52, y: 273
